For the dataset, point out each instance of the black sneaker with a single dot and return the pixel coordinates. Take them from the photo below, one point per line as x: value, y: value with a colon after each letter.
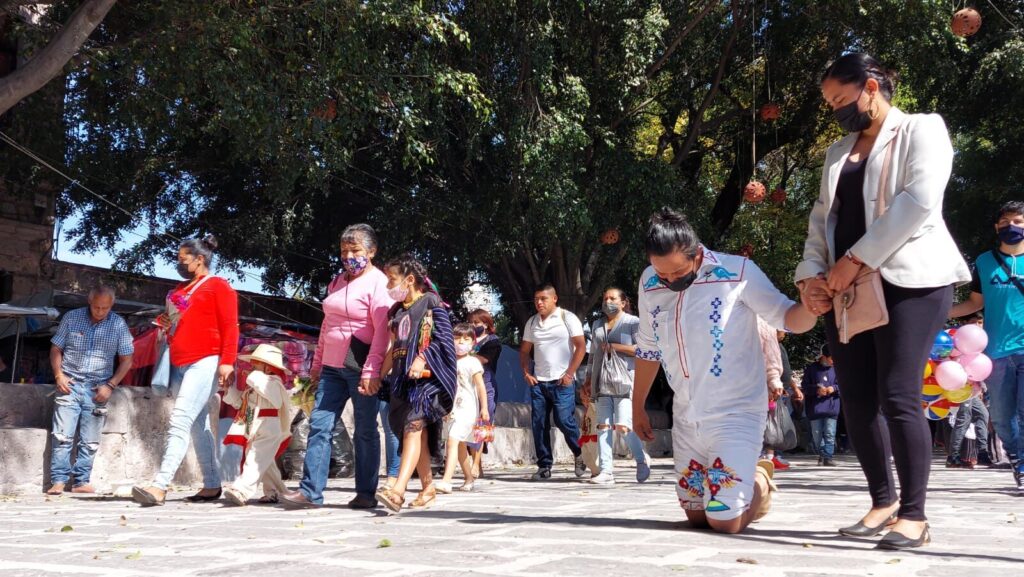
x: 984, y: 460
x: 828, y: 463
x: 581, y: 467
x: 1018, y: 475
x: 953, y: 462
x: 542, y: 474
x: 820, y: 461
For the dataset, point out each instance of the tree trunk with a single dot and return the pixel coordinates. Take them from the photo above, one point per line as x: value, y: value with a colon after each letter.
x: 50, y: 61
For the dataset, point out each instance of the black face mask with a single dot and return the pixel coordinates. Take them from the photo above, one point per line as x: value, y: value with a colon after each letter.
x: 183, y: 271
x: 852, y: 119
x: 682, y: 283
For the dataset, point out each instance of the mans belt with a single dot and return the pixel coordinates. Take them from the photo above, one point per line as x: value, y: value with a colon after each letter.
x: 268, y: 413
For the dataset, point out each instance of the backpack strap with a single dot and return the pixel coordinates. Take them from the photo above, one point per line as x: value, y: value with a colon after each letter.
x: 1009, y: 274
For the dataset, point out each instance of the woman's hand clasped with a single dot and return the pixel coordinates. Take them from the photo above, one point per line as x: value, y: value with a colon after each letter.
x: 842, y: 275
x: 816, y: 296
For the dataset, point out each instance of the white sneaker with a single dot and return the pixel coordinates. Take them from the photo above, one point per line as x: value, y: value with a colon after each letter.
x: 603, y: 479
x: 443, y: 487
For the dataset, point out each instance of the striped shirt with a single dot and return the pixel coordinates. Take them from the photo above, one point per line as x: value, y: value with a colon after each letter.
x: 89, y: 348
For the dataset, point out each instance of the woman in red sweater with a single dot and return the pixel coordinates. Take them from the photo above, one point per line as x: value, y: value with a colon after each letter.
x: 201, y: 323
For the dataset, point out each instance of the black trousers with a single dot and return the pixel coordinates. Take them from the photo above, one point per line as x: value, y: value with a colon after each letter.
x: 879, y: 373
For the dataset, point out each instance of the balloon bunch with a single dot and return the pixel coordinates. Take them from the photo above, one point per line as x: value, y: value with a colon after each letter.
x: 954, y: 370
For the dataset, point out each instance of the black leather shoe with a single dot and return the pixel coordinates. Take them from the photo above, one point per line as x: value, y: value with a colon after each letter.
x: 200, y: 498
x: 894, y: 541
x: 362, y: 502
x: 862, y: 530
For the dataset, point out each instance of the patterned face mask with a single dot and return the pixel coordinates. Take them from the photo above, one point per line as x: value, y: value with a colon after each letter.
x: 356, y: 265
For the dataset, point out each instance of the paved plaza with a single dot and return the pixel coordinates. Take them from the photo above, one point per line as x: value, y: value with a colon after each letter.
x: 518, y: 528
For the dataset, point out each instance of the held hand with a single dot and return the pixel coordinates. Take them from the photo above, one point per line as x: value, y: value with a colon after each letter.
x: 369, y: 387
x: 416, y: 369
x: 774, y: 394
x: 841, y: 276
x: 816, y: 296
x: 530, y: 379
x: 314, y: 376
x: 163, y: 320
x: 223, y: 376
x: 642, y: 425
x: 64, y: 384
x: 566, y: 380
x: 485, y: 415
x: 103, y: 393
x: 585, y: 392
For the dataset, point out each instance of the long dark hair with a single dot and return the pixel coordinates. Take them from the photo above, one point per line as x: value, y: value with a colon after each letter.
x: 668, y: 232
x: 204, y: 247
x: 857, y: 67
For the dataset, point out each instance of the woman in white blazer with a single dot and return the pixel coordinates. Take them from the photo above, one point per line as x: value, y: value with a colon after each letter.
x: 880, y: 370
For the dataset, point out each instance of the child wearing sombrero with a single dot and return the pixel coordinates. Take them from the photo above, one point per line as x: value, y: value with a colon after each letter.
x: 262, y: 426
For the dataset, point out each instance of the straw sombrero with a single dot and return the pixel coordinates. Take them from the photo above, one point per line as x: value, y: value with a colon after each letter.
x: 268, y: 354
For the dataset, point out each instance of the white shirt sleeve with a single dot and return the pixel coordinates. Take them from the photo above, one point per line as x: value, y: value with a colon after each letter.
x: 574, y: 325
x: 528, y: 330
x: 763, y: 298
x: 646, y: 344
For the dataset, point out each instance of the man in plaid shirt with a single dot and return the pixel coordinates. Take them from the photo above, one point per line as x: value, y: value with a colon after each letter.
x: 82, y: 357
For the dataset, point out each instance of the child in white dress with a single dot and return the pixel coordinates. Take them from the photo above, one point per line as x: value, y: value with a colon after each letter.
x: 470, y: 404
x: 262, y: 426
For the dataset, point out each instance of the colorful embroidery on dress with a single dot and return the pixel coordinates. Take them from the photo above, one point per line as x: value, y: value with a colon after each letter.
x: 693, y: 479
x: 719, y: 477
x: 721, y: 273
x: 716, y: 332
x: 652, y: 282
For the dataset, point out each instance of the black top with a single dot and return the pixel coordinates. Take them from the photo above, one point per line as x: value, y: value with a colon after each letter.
x: 849, y: 199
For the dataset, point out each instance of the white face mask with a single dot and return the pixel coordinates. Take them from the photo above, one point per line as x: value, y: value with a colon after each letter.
x: 463, y: 349
x: 398, y: 293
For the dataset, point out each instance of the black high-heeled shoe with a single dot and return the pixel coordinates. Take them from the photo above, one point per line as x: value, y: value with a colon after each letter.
x: 894, y: 541
x: 200, y: 498
x: 862, y: 530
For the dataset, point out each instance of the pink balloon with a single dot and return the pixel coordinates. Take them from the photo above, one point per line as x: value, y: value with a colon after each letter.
x: 970, y: 339
x: 955, y: 353
x: 950, y: 375
x: 978, y: 368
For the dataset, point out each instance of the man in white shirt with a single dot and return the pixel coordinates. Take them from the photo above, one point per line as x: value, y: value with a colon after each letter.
x: 698, y: 321
x: 555, y: 337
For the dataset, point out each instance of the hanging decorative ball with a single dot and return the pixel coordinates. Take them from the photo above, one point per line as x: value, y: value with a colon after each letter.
x: 327, y: 110
x: 770, y: 111
x: 779, y: 195
x: 966, y: 22
x: 610, y: 236
x: 747, y: 250
x: 754, y: 192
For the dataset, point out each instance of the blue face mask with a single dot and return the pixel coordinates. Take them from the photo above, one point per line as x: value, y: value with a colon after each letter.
x: 1011, y: 234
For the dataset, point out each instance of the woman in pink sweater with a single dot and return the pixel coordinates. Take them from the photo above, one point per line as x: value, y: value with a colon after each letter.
x: 353, y: 340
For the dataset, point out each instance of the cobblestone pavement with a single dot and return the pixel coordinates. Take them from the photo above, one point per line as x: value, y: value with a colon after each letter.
x: 514, y: 527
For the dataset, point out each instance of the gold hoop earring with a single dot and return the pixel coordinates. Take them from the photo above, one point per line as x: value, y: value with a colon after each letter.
x: 873, y: 109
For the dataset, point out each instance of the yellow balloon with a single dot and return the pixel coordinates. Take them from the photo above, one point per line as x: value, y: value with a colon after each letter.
x: 928, y: 370
x: 959, y: 395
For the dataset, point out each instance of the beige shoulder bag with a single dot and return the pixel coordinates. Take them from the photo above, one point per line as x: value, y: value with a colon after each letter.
x: 861, y: 307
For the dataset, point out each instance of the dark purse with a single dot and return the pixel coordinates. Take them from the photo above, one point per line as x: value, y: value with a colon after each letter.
x: 357, y: 353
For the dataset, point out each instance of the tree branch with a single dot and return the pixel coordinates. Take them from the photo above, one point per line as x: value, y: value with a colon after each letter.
x: 660, y: 62
x: 50, y: 61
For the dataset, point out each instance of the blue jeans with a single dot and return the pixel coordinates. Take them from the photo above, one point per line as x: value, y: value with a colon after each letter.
x: 192, y: 386
x: 546, y: 396
x: 390, y: 441
x: 612, y: 411
x: 972, y: 411
x: 230, y: 455
x: 1006, y: 401
x: 337, y: 386
x: 74, y: 412
x: 823, y: 435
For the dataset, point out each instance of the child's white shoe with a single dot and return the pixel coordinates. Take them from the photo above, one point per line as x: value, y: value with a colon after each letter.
x: 443, y: 487
x: 603, y: 479
x: 234, y: 497
x: 467, y: 487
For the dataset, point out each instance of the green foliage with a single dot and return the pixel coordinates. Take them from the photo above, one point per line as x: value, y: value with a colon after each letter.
x: 500, y: 138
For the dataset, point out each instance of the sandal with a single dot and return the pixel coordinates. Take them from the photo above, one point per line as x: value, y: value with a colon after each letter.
x: 390, y: 499
x: 423, y: 500
x: 148, y: 496
x: 443, y: 487
x: 268, y: 499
